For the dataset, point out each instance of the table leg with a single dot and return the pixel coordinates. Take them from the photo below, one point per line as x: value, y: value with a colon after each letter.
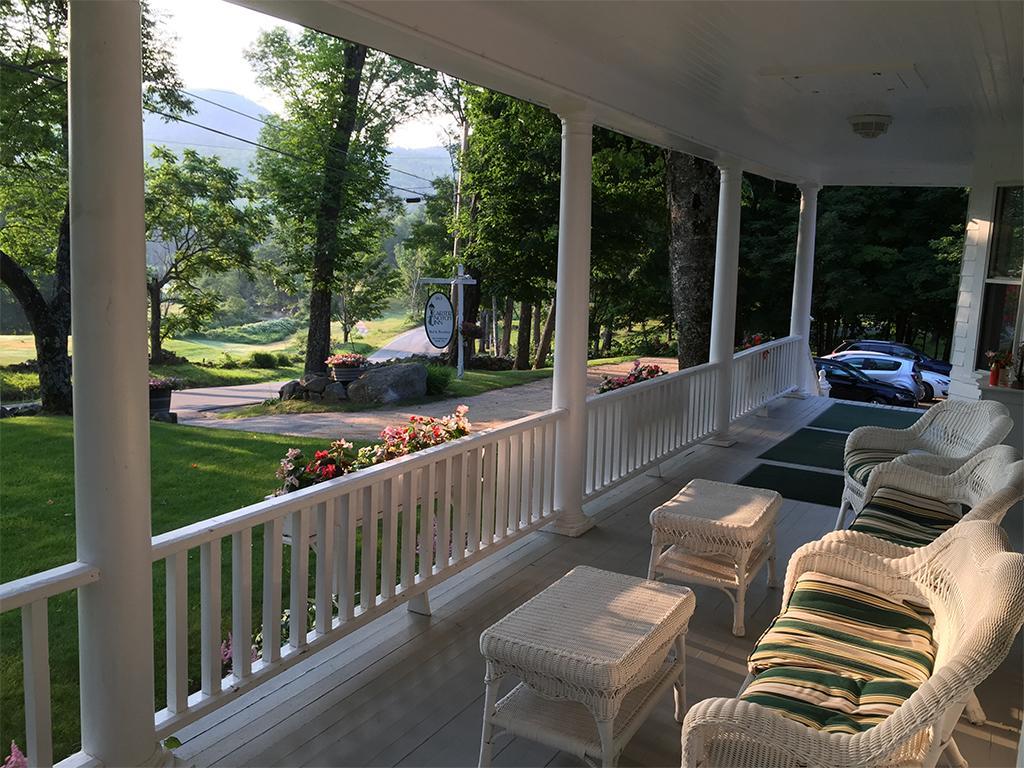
x: 490, y: 699
x: 679, y: 687
x: 739, y: 606
x: 606, y: 730
x: 773, y: 580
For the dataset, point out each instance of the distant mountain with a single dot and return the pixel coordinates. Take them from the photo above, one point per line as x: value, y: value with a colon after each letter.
x: 240, y: 117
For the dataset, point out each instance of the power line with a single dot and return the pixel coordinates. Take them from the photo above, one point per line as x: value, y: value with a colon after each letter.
x: 167, y: 115
x: 268, y: 123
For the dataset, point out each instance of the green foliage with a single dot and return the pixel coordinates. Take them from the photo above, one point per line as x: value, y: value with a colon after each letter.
x: 263, y: 360
x: 263, y: 332
x: 439, y: 378
x: 201, y: 218
x: 283, y: 359
x: 308, y: 72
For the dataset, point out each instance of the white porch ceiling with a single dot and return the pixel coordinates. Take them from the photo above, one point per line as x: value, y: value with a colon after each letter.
x: 770, y: 83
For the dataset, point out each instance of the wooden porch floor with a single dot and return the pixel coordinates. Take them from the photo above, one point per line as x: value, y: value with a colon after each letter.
x: 408, y: 690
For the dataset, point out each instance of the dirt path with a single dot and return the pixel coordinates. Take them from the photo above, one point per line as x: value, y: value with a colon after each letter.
x: 485, y: 410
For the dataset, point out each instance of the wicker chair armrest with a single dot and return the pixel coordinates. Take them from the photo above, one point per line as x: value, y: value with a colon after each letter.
x: 881, y: 437
x: 996, y: 506
x: 868, y: 543
x: 930, y: 463
x: 761, y: 737
x: 908, y: 476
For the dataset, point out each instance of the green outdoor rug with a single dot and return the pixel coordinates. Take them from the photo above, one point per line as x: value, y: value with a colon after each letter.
x: 845, y: 417
x: 810, y: 447
x: 797, y: 484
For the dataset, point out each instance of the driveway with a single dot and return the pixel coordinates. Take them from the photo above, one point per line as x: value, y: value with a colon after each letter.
x: 412, y: 342
x: 486, y: 410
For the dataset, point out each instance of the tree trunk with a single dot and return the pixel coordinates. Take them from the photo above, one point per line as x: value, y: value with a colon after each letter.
x: 50, y: 321
x: 606, y: 340
x: 523, y: 337
x: 536, y: 324
x: 325, y: 246
x: 544, y: 342
x: 506, y: 329
x: 156, y: 348
x: 692, y: 190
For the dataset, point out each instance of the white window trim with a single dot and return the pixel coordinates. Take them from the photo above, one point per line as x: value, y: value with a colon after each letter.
x: 1018, y: 331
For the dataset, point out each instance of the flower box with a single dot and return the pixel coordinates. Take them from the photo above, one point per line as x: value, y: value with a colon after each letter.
x: 159, y: 400
x: 346, y: 374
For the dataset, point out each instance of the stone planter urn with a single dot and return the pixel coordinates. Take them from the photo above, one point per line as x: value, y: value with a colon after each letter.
x: 346, y: 374
x: 159, y: 400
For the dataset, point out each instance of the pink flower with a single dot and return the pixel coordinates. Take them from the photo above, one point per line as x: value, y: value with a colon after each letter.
x: 16, y: 759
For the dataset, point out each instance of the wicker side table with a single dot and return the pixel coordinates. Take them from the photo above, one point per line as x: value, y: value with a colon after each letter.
x: 592, y: 652
x: 716, y: 534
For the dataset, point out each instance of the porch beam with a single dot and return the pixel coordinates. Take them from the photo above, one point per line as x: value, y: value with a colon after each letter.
x: 572, y: 311
x: 111, y: 410
x: 803, y: 275
x: 723, y: 308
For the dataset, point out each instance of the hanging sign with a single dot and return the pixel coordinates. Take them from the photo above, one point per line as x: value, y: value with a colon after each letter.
x: 439, y: 320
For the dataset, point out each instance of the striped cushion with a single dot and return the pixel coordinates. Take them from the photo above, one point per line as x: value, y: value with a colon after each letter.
x: 826, y: 701
x: 849, y: 629
x: 859, y: 463
x: 904, y: 518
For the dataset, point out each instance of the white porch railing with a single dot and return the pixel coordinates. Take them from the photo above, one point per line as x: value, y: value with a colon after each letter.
x: 31, y: 594
x: 762, y: 373
x: 377, y: 545
x: 632, y: 429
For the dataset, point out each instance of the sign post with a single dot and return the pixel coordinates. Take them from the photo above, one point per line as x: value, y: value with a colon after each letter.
x: 438, y: 316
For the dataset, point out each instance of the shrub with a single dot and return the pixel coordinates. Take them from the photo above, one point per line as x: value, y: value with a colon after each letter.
x: 638, y: 373
x: 283, y: 360
x: 263, y: 332
x: 263, y: 360
x: 439, y: 377
x: 490, y: 363
x: 300, y: 471
x: 228, y: 363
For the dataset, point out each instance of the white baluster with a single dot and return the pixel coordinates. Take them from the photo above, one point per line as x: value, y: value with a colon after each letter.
x: 210, y: 606
x: 36, y: 675
x: 345, y: 557
x: 325, y: 534
x: 389, y: 537
x: 241, y: 603
x: 177, y: 631
x: 271, y: 591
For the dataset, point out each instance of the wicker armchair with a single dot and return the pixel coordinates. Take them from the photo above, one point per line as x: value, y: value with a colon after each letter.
x: 975, y: 587
x: 950, y: 432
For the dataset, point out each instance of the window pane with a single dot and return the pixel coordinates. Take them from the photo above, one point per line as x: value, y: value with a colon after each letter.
x: 1008, y: 233
x: 998, y: 319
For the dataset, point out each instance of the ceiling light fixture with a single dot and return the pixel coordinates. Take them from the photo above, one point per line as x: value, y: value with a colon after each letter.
x: 870, y: 126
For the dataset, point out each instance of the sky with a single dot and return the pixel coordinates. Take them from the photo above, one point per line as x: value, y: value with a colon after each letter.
x: 212, y: 37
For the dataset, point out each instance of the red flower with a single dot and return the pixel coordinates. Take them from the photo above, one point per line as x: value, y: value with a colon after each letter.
x: 321, y: 455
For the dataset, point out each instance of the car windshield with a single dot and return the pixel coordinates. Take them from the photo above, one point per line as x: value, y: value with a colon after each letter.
x: 848, y: 370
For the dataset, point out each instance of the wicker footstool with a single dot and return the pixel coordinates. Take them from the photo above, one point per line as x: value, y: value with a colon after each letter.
x: 717, y: 534
x: 592, y: 652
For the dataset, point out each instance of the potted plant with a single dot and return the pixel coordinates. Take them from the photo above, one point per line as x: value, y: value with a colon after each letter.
x: 998, y: 362
x: 160, y: 395
x: 347, y: 366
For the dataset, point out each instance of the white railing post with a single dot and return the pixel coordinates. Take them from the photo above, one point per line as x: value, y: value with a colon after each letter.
x: 803, y: 280
x: 111, y: 397
x: 723, y: 308
x: 569, y: 390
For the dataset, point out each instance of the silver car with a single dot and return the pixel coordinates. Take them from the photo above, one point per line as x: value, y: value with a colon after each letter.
x: 900, y: 371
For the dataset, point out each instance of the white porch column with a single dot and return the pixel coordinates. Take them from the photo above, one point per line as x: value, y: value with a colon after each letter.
x: 111, y: 421
x: 803, y: 276
x: 723, y: 308
x: 572, y: 310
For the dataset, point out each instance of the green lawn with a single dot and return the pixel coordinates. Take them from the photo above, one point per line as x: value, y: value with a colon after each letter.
x: 197, y: 473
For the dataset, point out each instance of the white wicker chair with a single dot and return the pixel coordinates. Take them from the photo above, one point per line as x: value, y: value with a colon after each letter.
x: 950, y: 432
x: 975, y: 587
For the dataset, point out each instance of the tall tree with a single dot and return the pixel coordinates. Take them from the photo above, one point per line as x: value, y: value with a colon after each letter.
x: 341, y: 102
x: 35, y: 238
x: 692, y: 189
x: 200, y: 219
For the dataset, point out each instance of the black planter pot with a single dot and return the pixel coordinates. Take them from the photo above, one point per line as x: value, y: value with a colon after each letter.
x: 345, y: 375
x: 159, y: 400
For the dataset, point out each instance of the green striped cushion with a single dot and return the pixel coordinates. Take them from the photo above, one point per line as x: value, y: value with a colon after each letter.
x: 860, y: 462
x: 826, y: 701
x: 846, y: 628
x: 904, y: 518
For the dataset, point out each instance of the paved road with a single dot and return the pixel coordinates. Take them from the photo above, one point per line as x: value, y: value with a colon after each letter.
x: 486, y: 410
x: 413, y: 342
x: 190, y: 403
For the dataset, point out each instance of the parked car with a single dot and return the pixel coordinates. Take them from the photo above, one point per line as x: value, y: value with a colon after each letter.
x: 848, y: 383
x: 900, y: 371
x: 935, y: 384
x: 897, y: 349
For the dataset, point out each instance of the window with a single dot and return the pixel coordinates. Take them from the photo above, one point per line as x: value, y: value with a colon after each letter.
x: 1001, y: 313
x: 881, y: 364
